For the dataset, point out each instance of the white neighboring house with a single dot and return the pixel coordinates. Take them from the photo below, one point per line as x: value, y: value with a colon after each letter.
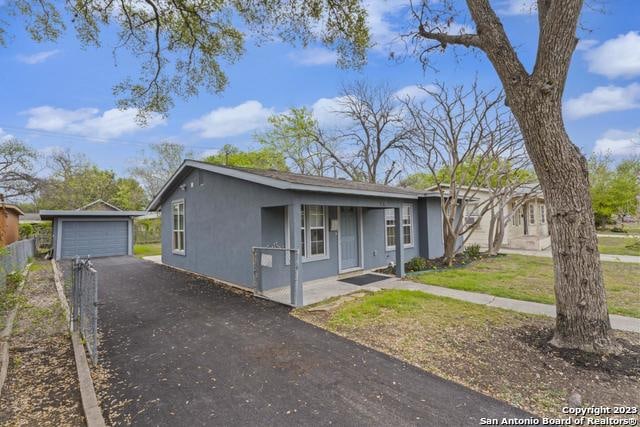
x: 527, y: 228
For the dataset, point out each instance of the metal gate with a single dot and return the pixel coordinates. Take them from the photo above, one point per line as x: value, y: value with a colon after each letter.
x: 84, y: 302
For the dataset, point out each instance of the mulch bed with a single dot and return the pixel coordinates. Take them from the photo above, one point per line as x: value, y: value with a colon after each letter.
x: 42, y: 383
x: 459, y: 260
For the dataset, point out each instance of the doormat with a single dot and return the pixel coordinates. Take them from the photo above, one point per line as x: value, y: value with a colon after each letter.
x: 364, y: 279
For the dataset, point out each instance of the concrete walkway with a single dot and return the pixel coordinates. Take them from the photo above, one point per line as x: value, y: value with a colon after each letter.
x: 622, y: 323
x: 620, y: 236
x: 547, y: 254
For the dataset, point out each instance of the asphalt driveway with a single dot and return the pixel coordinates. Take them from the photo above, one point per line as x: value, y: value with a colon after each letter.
x: 183, y: 351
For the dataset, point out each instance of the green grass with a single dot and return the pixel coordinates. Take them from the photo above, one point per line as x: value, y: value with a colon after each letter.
x: 619, y: 246
x: 147, y: 249
x: 531, y: 279
x: 629, y: 227
x: 402, y: 303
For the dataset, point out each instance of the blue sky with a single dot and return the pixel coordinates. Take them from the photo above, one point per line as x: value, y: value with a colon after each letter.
x: 59, y: 95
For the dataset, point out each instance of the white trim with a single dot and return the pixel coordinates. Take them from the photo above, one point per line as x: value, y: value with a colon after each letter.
x: 307, y: 236
x: 181, y: 252
x: 360, y: 243
x: 99, y: 201
x: 275, y: 183
x: 411, y: 219
x: 58, y: 252
x: 287, y: 236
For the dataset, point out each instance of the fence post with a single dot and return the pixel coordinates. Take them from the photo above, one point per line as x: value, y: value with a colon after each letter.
x: 94, y: 352
x: 257, y: 269
x: 296, y: 286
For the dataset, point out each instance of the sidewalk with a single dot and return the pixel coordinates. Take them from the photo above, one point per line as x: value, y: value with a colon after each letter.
x: 547, y: 254
x: 620, y: 236
x: 622, y: 323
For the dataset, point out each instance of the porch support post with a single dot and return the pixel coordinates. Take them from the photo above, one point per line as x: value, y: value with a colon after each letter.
x: 399, y: 242
x: 293, y: 211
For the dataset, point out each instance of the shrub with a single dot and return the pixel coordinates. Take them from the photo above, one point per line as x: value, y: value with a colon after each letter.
x: 617, y: 229
x: 14, y: 279
x: 26, y: 231
x: 472, y: 251
x: 416, y: 264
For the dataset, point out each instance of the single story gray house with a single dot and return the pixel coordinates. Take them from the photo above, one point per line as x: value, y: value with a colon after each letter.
x: 97, y: 229
x: 213, y: 216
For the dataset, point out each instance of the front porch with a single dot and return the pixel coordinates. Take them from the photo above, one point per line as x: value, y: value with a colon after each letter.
x: 308, y: 247
x: 320, y: 290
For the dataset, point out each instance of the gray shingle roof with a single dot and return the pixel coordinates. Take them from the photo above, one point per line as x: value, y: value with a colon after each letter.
x: 321, y: 181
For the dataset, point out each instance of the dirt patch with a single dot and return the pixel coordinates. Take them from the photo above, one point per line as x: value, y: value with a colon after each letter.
x: 496, y: 352
x: 42, y: 385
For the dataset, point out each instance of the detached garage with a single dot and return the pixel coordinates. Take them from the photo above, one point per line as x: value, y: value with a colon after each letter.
x: 94, y: 233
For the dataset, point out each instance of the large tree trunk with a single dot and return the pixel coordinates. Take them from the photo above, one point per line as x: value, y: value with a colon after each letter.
x: 582, y: 318
x: 495, y: 242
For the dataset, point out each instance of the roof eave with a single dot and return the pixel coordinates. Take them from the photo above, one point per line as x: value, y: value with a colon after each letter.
x: 270, y: 182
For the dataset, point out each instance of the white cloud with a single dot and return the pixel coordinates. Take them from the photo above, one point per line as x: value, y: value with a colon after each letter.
x: 517, y: 7
x: 88, y: 121
x: 314, y: 56
x: 39, y: 57
x: 415, y: 92
x: 209, y: 152
x: 619, y: 57
x: 603, y: 99
x: 586, y: 44
x: 4, y: 136
x: 380, y: 13
x: 326, y: 112
x: 230, y: 121
x: 619, y: 143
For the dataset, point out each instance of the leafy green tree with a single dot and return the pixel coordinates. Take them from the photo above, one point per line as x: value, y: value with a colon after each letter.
x: 295, y: 135
x: 418, y: 181
x: 614, y: 191
x: 75, y: 182
x: 264, y: 158
x: 129, y: 195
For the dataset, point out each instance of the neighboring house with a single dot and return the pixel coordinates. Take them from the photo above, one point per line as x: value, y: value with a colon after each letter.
x: 95, y: 230
x: 527, y: 228
x: 214, y: 215
x: 9, y: 221
x: 99, y: 205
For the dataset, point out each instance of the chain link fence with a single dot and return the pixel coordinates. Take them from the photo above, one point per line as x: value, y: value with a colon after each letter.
x: 14, y: 257
x: 84, y: 304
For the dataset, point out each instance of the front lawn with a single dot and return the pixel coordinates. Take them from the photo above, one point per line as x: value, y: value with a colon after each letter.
x: 619, y: 245
x: 531, y: 279
x: 147, y: 249
x: 497, y: 352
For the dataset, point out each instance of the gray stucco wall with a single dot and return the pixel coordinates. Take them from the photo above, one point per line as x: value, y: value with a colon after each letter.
x: 225, y: 217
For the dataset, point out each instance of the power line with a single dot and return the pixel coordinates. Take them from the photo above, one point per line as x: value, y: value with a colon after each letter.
x: 97, y: 140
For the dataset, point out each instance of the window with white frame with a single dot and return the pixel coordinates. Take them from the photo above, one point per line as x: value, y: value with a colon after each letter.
x: 516, y: 217
x: 177, y: 213
x: 316, y: 219
x: 313, y: 232
x: 390, y: 227
x: 543, y: 217
x: 532, y: 214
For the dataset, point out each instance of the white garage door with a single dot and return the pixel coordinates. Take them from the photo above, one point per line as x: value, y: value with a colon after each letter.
x: 94, y: 238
